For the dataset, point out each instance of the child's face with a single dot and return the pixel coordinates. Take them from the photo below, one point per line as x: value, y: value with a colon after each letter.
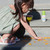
x: 25, y: 8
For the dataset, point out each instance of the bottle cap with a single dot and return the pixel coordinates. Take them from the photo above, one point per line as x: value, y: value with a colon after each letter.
x: 43, y: 12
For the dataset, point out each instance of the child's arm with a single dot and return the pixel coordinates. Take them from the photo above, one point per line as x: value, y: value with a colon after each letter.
x: 29, y: 29
x: 12, y: 7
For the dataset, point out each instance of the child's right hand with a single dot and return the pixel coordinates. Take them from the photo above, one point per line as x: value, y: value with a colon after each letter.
x: 38, y: 38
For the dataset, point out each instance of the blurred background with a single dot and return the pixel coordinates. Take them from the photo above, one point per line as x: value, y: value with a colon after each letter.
x: 38, y: 4
x: 5, y: 3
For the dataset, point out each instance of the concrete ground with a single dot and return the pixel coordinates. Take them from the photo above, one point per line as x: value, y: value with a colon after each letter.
x: 28, y: 43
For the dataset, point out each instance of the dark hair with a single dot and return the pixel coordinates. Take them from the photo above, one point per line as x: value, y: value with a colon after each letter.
x: 18, y: 3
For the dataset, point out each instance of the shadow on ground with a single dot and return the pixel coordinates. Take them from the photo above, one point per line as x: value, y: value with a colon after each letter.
x: 19, y: 45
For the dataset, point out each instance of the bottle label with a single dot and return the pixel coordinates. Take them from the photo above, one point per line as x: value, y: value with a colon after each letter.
x: 43, y: 18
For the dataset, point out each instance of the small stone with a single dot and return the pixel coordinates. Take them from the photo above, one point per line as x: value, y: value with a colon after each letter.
x: 34, y: 41
x: 46, y: 43
x: 30, y: 44
x: 48, y: 37
x: 32, y: 38
x: 39, y: 39
x: 45, y: 37
x: 24, y: 38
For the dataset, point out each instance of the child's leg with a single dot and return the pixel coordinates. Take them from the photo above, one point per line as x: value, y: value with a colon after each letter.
x: 8, y: 34
x: 16, y: 28
x: 29, y: 29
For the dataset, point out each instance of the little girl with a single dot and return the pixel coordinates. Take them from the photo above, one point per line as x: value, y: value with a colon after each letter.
x: 11, y: 22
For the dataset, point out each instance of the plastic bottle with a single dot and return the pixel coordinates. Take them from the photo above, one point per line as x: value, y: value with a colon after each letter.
x: 43, y: 16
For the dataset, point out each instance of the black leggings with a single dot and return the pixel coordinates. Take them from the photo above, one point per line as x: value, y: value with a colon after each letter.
x: 20, y: 32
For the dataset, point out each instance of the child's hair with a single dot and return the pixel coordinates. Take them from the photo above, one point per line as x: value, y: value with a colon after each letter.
x: 18, y: 3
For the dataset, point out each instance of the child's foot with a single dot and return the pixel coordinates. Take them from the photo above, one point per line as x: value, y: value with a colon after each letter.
x: 7, y: 40
x: 4, y: 40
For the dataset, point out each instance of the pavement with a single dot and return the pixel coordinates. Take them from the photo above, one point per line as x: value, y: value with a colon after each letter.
x: 28, y: 43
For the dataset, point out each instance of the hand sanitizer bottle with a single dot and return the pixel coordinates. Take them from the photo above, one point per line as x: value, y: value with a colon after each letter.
x: 43, y: 16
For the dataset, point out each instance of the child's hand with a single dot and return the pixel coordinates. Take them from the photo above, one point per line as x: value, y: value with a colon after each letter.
x: 12, y: 7
x: 38, y: 38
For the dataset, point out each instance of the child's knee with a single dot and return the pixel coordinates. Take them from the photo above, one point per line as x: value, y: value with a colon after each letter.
x: 6, y: 35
